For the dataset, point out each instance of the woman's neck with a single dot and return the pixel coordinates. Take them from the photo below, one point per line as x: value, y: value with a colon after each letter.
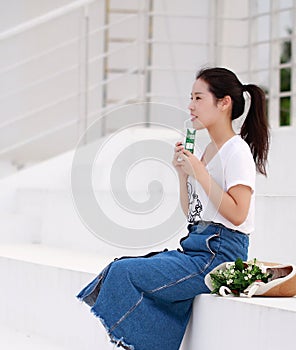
x: 220, y: 136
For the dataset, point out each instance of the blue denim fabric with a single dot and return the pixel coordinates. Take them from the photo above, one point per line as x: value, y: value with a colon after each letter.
x: 146, y: 302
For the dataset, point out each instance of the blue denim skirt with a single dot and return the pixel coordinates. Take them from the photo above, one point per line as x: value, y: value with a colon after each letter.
x: 145, y: 302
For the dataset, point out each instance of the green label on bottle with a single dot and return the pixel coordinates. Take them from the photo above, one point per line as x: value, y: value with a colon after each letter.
x: 190, y: 138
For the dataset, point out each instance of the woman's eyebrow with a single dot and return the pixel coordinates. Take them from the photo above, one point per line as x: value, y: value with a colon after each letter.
x: 197, y: 93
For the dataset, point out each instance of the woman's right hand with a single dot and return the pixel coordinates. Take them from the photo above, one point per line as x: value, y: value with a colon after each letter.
x: 177, y: 162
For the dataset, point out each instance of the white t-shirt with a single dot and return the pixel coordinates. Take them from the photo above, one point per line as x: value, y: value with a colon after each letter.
x: 232, y: 165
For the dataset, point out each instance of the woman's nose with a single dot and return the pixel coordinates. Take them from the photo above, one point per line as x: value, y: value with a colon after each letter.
x: 190, y: 106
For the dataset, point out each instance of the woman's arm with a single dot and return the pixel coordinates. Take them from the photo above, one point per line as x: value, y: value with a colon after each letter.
x: 183, y: 178
x: 184, y: 194
x: 233, y: 204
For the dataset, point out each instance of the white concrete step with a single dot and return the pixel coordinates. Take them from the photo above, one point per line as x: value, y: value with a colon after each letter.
x: 38, y: 298
x: 241, y: 323
x: 38, y: 295
x: 49, y: 217
x: 36, y: 204
x: 17, y: 228
x: 274, y: 237
x: 55, y: 257
x: 12, y: 339
x: 36, y: 207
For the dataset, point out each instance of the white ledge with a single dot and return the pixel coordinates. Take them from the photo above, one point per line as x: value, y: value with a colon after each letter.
x: 241, y: 323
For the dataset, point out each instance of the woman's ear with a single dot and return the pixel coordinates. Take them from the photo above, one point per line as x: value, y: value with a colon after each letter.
x: 225, y: 102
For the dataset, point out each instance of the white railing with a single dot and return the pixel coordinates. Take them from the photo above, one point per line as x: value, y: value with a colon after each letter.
x: 21, y: 29
x: 81, y: 67
x: 20, y: 115
x: 84, y: 81
x: 45, y: 18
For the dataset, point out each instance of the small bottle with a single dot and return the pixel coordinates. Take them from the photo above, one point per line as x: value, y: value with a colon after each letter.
x: 190, y: 139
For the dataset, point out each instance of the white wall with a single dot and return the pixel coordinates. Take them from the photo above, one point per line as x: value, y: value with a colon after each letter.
x: 37, y: 205
x: 233, y: 35
x: 275, y: 239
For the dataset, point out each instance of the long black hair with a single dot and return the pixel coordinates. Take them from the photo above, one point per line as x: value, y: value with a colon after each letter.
x: 255, y: 131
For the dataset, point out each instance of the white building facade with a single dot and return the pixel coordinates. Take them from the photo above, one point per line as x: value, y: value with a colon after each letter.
x: 64, y: 63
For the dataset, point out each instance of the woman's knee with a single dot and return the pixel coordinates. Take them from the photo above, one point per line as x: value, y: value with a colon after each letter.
x: 124, y: 267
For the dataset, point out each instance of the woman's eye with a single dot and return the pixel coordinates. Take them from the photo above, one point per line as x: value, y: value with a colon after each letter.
x: 196, y: 98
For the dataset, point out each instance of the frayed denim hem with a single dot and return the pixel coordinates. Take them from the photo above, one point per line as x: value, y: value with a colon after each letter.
x: 114, y: 340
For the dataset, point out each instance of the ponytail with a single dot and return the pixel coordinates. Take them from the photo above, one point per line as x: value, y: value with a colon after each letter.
x: 255, y: 128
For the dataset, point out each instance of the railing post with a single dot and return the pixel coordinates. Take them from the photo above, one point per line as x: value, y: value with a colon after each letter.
x: 105, y: 65
x: 214, y: 26
x: 148, y: 61
x: 83, y: 75
x: 274, y: 90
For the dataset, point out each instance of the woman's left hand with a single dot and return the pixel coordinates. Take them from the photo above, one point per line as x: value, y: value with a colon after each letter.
x: 191, y: 165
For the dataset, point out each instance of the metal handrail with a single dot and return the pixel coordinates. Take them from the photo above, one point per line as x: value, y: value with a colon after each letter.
x: 112, y: 52
x: 32, y: 24
x: 40, y: 81
x: 38, y: 137
x: 37, y: 110
x: 102, y: 111
x: 54, y: 14
x: 61, y: 127
x: 83, y: 65
x: 43, y: 19
x: 114, y: 23
x: 40, y: 55
x: 66, y: 43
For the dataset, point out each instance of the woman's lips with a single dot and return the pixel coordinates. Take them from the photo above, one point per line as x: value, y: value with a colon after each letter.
x: 193, y: 117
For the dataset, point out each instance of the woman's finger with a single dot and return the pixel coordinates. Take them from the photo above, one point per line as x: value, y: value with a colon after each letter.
x: 179, y: 148
x: 187, y: 153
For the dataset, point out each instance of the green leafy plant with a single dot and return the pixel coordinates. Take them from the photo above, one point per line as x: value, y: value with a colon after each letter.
x: 237, y: 276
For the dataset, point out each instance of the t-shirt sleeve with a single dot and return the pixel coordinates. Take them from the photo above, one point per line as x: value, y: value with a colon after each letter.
x: 240, y: 170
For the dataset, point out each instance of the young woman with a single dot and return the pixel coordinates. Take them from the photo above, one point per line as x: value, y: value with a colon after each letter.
x: 145, y: 302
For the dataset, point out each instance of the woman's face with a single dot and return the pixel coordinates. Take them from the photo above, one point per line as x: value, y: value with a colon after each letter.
x: 203, y: 106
